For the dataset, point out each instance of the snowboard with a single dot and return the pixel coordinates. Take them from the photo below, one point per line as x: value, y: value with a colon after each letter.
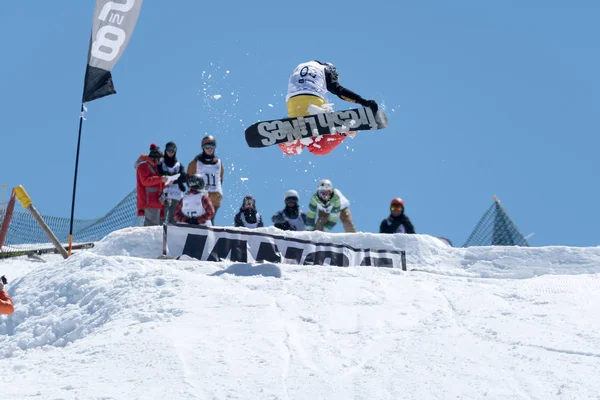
x: 268, y: 133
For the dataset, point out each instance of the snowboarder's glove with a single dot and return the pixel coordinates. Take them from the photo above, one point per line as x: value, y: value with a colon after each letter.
x: 3, y: 282
x: 285, y: 226
x: 372, y: 104
x: 162, y: 197
x: 192, y: 221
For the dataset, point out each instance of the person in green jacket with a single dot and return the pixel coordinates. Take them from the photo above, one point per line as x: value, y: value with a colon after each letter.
x: 327, y: 206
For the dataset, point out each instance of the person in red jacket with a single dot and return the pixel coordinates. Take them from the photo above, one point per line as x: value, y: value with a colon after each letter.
x: 195, y: 207
x: 150, y: 186
x: 6, y: 304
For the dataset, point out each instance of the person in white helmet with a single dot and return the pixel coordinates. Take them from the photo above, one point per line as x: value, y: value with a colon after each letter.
x: 290, y: 218
x: 308, y: 86
x: 327, y: 206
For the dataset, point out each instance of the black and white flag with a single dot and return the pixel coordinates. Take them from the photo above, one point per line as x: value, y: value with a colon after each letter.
x: 112, y: 28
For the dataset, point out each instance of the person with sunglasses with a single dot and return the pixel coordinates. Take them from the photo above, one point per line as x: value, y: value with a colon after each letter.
x: 248, y: 217
x: 172, y: 193
x: 290, y: 218
x: 397, y: 222
x: 308, y: 86
x: 211, y: 168
x: 326, y: 207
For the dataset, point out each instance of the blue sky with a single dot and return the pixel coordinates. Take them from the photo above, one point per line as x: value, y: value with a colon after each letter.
x: 483, y: 98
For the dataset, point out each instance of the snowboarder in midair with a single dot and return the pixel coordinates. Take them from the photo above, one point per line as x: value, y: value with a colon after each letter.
x: 308, y: 86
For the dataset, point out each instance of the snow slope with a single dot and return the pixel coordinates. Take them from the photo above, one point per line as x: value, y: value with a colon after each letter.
x: 479, y: 323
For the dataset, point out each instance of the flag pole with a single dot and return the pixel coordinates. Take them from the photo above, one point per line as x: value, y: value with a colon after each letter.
x: 75, y: 181
x: 111, y: 18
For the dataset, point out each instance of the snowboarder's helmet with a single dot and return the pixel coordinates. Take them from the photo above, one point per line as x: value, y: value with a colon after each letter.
x: 290, y: 195
x: 397, y: 204
x: 171, y: 146
x: 325, y: 189
x: 332, y: 69
x: 324, y: 184
x: 196, y: 182
x: 209, y: 140
x: 249, y: 202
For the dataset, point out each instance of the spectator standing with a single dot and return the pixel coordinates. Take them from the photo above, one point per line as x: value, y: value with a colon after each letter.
x: 150, y: 186
x: 211, y: 168
x: 173, y: 192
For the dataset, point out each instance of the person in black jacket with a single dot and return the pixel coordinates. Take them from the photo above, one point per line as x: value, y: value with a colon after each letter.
x: 397, y: 222
x: 173, y: 192
x: 248, y: 217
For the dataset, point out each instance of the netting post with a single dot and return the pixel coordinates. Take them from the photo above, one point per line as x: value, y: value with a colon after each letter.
x: 27, y: 204
x: 10, y: 208
x: 164, y: 249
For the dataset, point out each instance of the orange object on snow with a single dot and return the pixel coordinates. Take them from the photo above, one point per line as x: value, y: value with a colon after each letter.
x: 6, y: 304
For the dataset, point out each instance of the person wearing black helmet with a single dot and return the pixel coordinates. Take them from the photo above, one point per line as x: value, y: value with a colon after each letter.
x: 195, y: 207
x: 308, y: 86
x: 172, y: 193
x: 211, y: 168
x: 397, y: 222
x: 248, y: 217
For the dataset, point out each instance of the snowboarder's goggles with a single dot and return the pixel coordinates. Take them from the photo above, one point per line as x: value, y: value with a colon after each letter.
x: 171, y: 148
x: 396, y: 208
x: 249, y: 202
x: 291, y: 201
x: 209, y: 146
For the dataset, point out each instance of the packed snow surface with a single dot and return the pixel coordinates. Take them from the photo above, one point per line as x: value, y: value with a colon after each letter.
x: 114, y: 322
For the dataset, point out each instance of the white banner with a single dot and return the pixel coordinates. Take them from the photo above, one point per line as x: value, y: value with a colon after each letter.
x: 215, y: 244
